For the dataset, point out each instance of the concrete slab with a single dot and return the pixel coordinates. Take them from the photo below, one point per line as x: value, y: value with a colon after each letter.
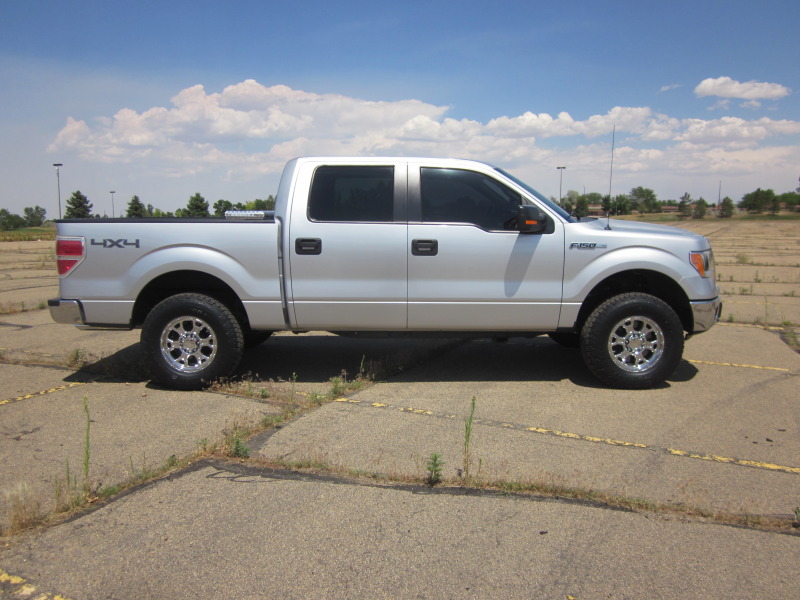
x: 35, y: 337
x: 133, y: 427
x: 541, y: 417
x: 230, y: 532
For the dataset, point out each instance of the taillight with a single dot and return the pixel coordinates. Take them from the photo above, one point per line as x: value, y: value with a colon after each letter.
x: 69, y: 253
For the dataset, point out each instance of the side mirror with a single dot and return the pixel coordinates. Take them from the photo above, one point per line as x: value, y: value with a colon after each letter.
x: 531, y: 219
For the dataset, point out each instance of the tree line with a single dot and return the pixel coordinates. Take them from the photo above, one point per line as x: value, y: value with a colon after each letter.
x: 644, y: 200
x: 79, y: 207
x: 640, y: 199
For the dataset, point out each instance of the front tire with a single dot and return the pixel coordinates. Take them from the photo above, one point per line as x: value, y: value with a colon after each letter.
x: 632, y: 341
x: 190, y: 340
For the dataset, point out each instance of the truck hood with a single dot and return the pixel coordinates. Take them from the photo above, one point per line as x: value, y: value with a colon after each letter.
x: 633, y: 228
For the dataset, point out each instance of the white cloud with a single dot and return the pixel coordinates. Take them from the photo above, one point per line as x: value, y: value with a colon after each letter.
x: 671, y: 86
x: 725, y: 87
x: 249, y: 131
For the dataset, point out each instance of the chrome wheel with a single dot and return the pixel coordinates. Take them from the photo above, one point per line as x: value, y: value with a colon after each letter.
x: 188, y: 344
x: 636, y: 344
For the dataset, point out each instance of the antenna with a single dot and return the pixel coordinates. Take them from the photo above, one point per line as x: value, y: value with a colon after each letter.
x: 611, y: 176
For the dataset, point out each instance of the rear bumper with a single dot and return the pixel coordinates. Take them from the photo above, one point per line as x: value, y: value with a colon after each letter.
x: 705, y: 313
x: 66, y: 311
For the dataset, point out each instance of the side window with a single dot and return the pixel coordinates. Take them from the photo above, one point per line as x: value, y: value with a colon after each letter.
x: 459, y: 196
x: 352, y: 194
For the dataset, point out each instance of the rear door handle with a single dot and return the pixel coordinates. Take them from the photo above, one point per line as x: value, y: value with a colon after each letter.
x: 308, y: 246
x: 424, y: 247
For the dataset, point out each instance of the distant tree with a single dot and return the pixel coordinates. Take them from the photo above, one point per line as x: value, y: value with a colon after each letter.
x: 758, y: 201
x: 726, y: 208
x: 606, y: 204
x: 10, y: 220
x: 644, y: 200
x: 621, y: 205
x: 790, y: 199
x: 581, y: 207
x: 136, y: 209
x: 594, y: 197
x: 567, y: 206
x: 700, y: 208
x: 196, y: 207
x: 159, y: 214
x: 259, y: 204
x: 34, y: 217
x: 78, y: 206
x: 220, y: 206
x: 685, y: 205
x: 773, y: 203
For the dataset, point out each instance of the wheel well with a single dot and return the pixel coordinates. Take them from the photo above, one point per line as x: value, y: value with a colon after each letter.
x: 648, y: 282
x: 179, y: 282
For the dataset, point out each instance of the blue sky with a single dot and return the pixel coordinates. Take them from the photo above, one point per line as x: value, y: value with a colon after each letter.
x: 165, y: 99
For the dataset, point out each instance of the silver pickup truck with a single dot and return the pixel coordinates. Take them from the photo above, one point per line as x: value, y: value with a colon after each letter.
x: 390, y: 245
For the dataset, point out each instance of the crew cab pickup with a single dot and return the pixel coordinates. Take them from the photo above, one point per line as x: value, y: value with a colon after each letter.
x: 386, y: 245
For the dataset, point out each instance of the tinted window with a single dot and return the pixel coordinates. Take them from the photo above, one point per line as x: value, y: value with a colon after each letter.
x: 348, y: 193
x: 458, y: 196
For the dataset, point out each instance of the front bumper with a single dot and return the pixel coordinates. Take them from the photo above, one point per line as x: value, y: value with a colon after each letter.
x: 69, y: 312
x: 705, y: 313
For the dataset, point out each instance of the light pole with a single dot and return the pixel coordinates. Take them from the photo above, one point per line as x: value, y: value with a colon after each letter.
x: 112, y: 192
x: 58, y: 180
x: 560, y: 181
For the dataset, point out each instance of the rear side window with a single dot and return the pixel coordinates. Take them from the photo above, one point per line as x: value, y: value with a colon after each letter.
x: 352, y: 194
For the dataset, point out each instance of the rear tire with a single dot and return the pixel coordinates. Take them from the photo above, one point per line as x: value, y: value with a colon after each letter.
x: 632, y: 341
x: 190, y: 340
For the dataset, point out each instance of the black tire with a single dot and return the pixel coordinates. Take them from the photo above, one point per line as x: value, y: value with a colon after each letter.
x: 190, y: 340
x: 632, y: 341
x: 255, y: 338
x: 566, y: 339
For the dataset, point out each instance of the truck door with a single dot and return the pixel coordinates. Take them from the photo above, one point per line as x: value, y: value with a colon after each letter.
x: 347, y: 248
x: 469, y: 268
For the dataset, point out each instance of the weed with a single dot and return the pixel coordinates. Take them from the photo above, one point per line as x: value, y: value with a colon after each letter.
x: 172, y: 462
x: 742, y: 259
x: 86, y: 446
x: 468, y: 439
x: 756, y: 278
x: 23, y: 508
x: 76, y: 359
x: 239, y: 449
x: 730, y: 318
x: 796, y: 522
x: 434, y: 467
x: 338, y: 385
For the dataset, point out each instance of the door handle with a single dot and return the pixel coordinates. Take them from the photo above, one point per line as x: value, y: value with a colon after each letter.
x: 424, y: 247
x: 308, y: 246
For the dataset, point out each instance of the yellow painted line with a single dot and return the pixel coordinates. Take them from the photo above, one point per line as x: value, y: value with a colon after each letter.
x: 60, y: 388
x: 25, y: 589
x: 727, y: 364
x: 596, y: 440
x: 12, y: 579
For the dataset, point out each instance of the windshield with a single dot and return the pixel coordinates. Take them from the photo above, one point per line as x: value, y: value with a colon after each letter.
x: 540, y: 197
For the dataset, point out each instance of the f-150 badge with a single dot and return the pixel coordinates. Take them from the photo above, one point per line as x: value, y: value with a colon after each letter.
x: 586, y: 245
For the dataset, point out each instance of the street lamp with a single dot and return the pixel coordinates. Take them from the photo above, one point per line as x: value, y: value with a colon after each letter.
x: 58, y: 179
x: 560, y: 180
x: 112, y: 192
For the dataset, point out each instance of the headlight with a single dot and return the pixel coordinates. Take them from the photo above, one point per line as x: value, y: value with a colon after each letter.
x: 703, y: 262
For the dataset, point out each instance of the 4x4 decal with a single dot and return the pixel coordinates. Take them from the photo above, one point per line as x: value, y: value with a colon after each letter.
x: 121, y: 243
